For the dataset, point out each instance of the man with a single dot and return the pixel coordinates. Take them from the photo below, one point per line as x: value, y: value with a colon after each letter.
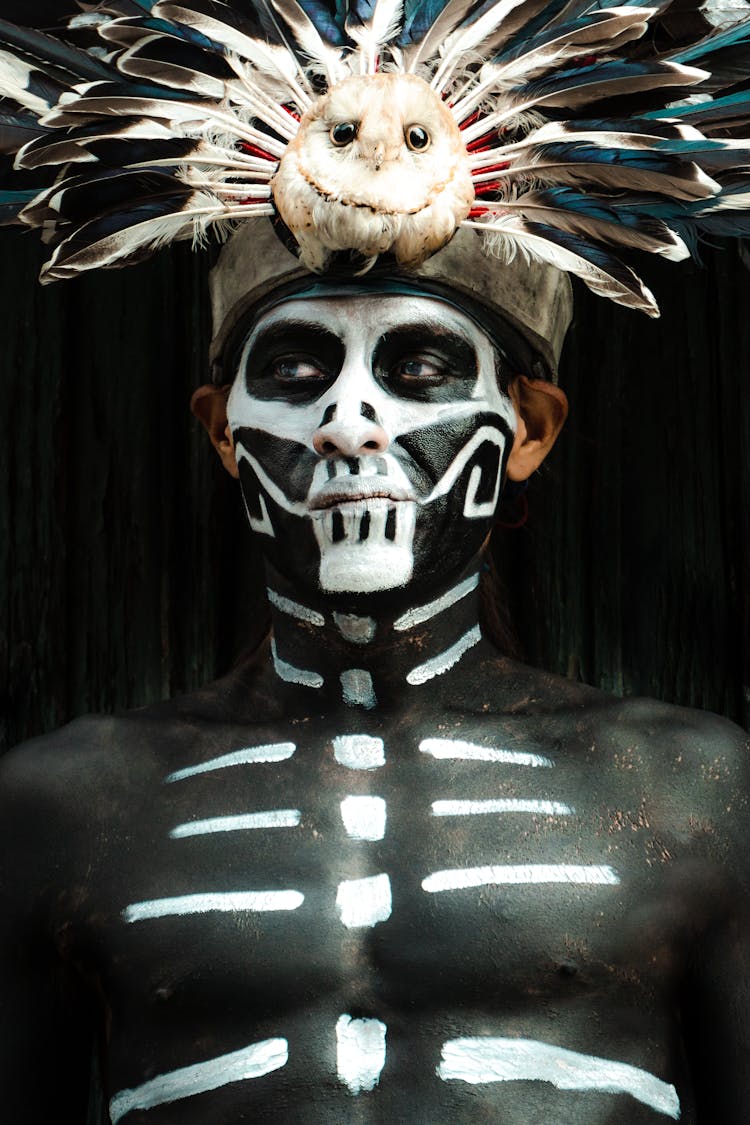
x: 380, y: 872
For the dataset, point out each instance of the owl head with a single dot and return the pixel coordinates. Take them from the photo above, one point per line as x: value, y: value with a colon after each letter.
x: 378, y: 165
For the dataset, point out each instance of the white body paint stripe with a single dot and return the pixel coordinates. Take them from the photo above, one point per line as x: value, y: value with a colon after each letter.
x: 462, y: 458
x: 224, y: 901
x: 512, y: 1060
x: 291, y: 675
x: 460, y: 878
x: 364, y: 817
x: 252, y: 755
x: 360, y: 1052
x: 501, y: 805
x: 440, y: 664
x: 357, y: 689
x: 364, y: 902
x: 274, y: 818
x: 422, y: 613
x: 249, y: 1062
x: 359, y: 751
x: 294, y: 609
x: 472, y: 752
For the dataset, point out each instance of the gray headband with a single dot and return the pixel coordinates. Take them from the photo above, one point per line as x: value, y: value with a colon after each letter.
x: 524, y: 307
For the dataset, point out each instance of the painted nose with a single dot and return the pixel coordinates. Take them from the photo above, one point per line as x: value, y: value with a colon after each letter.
x: 354, y: 436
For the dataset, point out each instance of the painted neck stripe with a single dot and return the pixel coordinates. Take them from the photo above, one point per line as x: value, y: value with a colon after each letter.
x: 360, y: 1053
x: 515, y: 1060
x: 359, y: 751
x: 357, y: 689
x: 291, y: 675
x: 214, y: 901
x: 501, y: 805
x: 423, y: 613
x: 294, y: 609
x: 438, y: 665
x: 274, y: 818
x: 473, y: 752
x: 251, y: 755
x: 249, y: 1062
x: 460, y: 878
x: 364, y: 902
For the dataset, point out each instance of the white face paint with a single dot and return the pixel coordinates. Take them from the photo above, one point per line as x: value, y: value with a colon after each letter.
x: 371, y: 436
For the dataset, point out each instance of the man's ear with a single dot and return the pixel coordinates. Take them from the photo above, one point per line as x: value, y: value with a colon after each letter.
x: 541, y: 409
x: 209, y: 405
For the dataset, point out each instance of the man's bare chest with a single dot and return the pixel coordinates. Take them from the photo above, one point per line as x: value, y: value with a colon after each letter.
x: 466, y: 861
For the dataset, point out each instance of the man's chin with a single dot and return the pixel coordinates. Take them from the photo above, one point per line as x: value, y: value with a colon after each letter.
x: 365, y: 568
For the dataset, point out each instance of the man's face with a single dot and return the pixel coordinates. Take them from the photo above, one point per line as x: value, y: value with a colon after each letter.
x: 371, y: 438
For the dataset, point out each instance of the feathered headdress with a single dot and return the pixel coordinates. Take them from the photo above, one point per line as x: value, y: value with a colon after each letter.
x: 365, y: 128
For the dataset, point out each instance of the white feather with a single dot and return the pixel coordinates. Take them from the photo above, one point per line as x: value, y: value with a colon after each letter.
x: 506, y: 238
x: 469, y: 39
x: 372, y: 36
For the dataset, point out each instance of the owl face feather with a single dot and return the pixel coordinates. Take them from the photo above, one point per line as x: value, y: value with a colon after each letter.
x: 378, y: 165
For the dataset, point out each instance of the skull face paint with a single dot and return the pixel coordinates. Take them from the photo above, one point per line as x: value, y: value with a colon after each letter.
x: 371, y: 437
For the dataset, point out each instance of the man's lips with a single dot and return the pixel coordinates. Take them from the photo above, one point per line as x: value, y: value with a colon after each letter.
x: 347, y: 490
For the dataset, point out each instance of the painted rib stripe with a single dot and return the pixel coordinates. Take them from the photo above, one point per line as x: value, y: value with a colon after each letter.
x: 462, y: 877
x: 359, y: 751
x: 511, y: 1060
x: 249, y: 1062
x: 431, y: 609
x: 274, y: 818
x: 444, y: 661
x: 501, y: 805
x: 473, y: 752
x: 294, y: 609
x: 225, y: 902
x: 251, y: 755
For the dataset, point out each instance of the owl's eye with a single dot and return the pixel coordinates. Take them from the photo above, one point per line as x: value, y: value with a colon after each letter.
x: 344, y: 133
x: 417, y: 138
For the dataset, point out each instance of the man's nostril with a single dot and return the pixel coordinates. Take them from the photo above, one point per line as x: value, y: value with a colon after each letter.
x: 329, y: 447
x: 371, y: 445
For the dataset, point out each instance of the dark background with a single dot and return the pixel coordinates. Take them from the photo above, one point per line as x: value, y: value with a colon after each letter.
x: 126, y: 569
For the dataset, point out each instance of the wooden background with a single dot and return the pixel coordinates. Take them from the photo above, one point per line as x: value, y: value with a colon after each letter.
x: 126, y: 570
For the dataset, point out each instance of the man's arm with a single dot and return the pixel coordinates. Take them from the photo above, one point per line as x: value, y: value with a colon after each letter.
x: 716, y: 996
x: 46, y: 1016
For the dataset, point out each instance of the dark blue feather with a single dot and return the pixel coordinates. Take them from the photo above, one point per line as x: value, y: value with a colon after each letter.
x: 330, y: 23
x: 52, y: 53
x: 11, y: 202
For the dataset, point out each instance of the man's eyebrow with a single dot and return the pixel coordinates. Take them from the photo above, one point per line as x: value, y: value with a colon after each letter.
x: 428, y: 325
x: 283, y: 331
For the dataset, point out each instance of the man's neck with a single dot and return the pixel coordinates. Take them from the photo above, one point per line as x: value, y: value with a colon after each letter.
x: 372, y: 661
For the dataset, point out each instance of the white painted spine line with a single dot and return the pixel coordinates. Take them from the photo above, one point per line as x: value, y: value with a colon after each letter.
x: 472, y: 752
x: 291, y: 675
x: 249, y: 756
x: 359, y: 751
x: 274, y: 818
x: 364, y: 902
x: 480, y: 1060
x: 431, y: 609
x: 357, y: 688
x: 249, y: 1062
x: 461, y: 878
x: 501, y: 805
x: 224, y: 902
x: 360, y: 1053
x: 294, y: 609
x: 439, y: 665
x: 364, y: 818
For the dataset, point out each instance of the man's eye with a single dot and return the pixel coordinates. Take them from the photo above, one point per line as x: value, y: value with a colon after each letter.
x: 291, y: 369
x: 423, y: 370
